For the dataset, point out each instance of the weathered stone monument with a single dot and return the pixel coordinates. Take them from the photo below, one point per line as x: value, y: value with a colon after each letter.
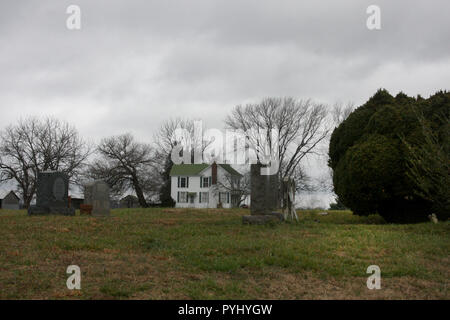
x: 96, y: 194
x: 52, y: 195
x: 264, y: 197
x: 288, y: 196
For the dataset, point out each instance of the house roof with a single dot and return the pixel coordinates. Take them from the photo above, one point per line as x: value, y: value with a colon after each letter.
x: 187, y: 169
x: 195, y: 169
x: 230, y: 169
x: 4, y: 193
x: 130, y: 196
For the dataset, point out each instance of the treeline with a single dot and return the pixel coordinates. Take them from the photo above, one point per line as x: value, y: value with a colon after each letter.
x: 34, y: 145
x: 389, y: 156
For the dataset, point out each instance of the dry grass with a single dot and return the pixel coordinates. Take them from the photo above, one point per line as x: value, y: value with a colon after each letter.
x: 209, y: 254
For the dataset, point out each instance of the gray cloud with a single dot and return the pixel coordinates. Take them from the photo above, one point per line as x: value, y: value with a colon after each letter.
x: 136, y: 63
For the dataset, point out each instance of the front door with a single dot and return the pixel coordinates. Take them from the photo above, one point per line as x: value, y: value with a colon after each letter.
x: 192, y: 201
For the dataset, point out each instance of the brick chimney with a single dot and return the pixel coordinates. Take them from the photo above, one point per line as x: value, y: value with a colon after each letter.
x: 214, y: 173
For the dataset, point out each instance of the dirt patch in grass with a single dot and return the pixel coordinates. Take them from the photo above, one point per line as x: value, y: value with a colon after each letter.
x: 167, y: 222
x: 309, y: 286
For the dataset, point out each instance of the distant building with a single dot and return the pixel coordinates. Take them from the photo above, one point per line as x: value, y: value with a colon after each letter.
x: 203, y: 185
x: 9, y: 200
x: 129, y: 201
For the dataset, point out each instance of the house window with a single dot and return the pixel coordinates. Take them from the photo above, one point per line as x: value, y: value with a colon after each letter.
x: 224, y: 197
x: 205, y: 182
x: 182, y: 197
x: 183, y: 182
x: 203, y: 197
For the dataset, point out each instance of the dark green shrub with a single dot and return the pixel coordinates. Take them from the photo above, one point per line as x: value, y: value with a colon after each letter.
x: 370, y: 154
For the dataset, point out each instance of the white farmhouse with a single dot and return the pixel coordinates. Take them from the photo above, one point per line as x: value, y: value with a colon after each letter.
x: 203, y: 185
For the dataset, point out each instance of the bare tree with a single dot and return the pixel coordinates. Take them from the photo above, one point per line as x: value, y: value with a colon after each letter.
x: 35, y: 145
x: 299, y: 124
x: 192, y: 138
x: 126, y: 164
x: 165, y: 136
x: 303, y: 182
x: 341, y: 112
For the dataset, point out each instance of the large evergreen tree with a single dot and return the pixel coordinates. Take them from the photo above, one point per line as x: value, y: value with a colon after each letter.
x: 371, y: 153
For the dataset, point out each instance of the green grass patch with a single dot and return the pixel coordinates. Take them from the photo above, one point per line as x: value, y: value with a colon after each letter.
x: 210, y: 254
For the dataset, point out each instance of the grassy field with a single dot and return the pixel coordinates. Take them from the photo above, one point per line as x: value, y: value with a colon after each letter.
x: 209, y: 254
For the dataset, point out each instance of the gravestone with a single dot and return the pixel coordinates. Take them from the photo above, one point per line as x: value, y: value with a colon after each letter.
x: 96, y: 194
x: 52, y: 195
x: 264, y: 197
x: 288, y: 196
x: 263, y: 191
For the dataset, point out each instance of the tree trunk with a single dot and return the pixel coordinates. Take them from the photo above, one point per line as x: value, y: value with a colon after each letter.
x: 27, y: 200
x: 139, y: 193
x: 28, y: 194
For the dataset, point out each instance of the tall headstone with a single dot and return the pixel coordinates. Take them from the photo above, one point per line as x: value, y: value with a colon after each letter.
x: 52, y: 194
x: 263, y: 191
x: 96, y: 194
x: 264, y: 197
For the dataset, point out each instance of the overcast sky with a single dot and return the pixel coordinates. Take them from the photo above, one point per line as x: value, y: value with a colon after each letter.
x: 135, y: 63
